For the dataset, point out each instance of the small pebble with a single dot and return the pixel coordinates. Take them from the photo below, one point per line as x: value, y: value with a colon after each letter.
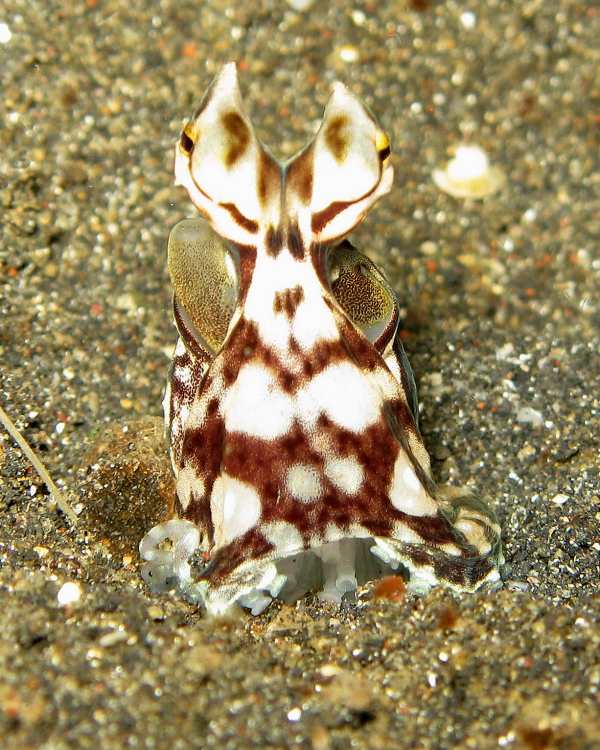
x: 504, y: 352
x: 468, y: 19
x: 51, y: 270
x: 5, y: 34
x: 358, y: 17
x: 114, y: 638
x: 300, y: 5
x: 69, y: 593
x: 349, y: 53
x: 527, y: 415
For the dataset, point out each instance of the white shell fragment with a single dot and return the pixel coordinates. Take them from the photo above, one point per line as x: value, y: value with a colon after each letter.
x: 300, y: 5
x: 469, y: 174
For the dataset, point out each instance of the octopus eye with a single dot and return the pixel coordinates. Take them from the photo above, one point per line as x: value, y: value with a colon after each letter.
x: 382, y: 144
x: 186, y: 143
x: 203, y: 269
x: 364, y: 294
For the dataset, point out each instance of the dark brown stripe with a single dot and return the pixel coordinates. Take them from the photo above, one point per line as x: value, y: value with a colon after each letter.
x: 295, y: 244
x: 251, y: 546
x: 274, y: 241
x: 299, y: 177
x: 239, y: 218
x: 467, y: 571
x: 269, y: 178
x: 322, y: 219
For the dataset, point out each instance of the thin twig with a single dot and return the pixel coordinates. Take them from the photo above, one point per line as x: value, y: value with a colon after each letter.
x: 58, y: 496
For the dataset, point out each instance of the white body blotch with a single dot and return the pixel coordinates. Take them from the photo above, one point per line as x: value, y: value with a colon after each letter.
x: 313, y: 322
x: 333, y: 532
x: 345, y: 473
x: 403, y: 533
x: 388, y: 380
x: 284, y: 536
x: 407, y: 494
x: 189, y: 483
x: 341, y: 392
x: 257, y: 406
x: 450, y: 549
x: 235, y: 509
x: 183, y: 413
x: 303, y: 483
x: 184, y: 374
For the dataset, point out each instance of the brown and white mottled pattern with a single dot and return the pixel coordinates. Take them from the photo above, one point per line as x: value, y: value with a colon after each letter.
x: 291, y: 405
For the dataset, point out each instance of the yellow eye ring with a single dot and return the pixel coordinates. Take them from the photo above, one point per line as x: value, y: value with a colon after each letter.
x: 383, y: 146
x: 187, y: 142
